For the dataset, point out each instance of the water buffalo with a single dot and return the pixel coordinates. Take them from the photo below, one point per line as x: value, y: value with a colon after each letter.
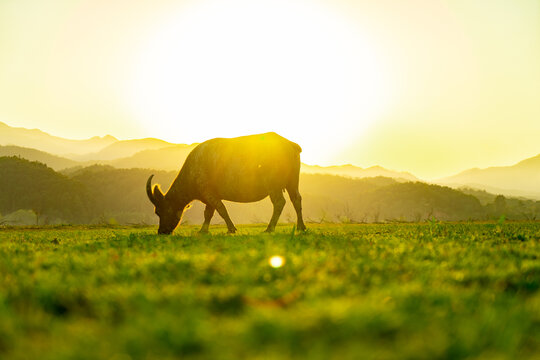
x: 242, y: 169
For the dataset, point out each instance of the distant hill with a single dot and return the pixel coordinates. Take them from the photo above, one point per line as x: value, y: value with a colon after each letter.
x: 521, y: 179
x: 147, y: 153
x: 119, y: 193
x: 37, y: 139
x: 419, y: 201
x: 103, y: 194
x: 170, y: 158
x: 34, y: 186
x: 357, y: 172
x: 53, y: 161
x: 124, y: 149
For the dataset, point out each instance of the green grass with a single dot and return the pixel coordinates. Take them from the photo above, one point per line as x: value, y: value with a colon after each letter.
x: 429, y: 291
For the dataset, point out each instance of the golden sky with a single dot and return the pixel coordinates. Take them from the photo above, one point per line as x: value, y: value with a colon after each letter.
x: 428, y: 86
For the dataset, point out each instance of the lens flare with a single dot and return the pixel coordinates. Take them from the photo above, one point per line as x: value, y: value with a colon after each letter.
x: 276, y: 261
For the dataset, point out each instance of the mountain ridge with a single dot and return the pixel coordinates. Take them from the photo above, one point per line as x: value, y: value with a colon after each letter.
x: 124, y: 148
x: 171, y: 158
x: 353, y: 171
x: 148, y: 153
x: 103, y: 194
x: 53, y: 161
x: 520, y: 179
x: 41, y: 140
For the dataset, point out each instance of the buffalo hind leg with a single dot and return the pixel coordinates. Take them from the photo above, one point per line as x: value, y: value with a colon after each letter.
x: 296, y: 200
x: 279, y: 202
x: 222, y: 211
x: 208, y: 213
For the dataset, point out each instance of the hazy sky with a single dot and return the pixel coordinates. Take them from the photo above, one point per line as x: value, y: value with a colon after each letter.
x: 428, y: 86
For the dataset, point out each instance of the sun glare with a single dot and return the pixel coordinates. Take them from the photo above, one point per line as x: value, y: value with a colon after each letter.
x: 221, y: 69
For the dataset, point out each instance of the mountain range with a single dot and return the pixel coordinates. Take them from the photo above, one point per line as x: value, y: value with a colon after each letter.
x: 150, y: 153
x: 100, y: 194
x: 40, y: 140
x: 358, y: 172
x: 123, y: 148
x: 521, y: 179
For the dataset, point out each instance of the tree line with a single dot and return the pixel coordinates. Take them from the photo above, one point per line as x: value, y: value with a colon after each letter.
x: 32, y: 193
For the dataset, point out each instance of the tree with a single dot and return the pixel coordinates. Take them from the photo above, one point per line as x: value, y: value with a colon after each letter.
x: 500, y: 205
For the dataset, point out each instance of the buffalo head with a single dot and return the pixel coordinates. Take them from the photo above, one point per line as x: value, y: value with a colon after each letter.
x: 169, y: 212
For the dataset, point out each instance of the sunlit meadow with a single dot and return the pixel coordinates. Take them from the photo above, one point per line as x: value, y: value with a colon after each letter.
x: 418, y: 291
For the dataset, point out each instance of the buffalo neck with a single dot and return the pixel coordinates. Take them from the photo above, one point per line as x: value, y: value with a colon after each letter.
x: 179, y: 193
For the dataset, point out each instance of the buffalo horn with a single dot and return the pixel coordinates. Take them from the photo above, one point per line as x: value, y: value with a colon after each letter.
x: 149, y: 190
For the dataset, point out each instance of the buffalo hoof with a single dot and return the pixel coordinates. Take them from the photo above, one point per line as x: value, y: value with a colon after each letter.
x: 268, y: 231
x: 231, y: 231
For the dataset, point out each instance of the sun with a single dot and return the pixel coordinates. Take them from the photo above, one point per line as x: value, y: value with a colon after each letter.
x: 223, y: 69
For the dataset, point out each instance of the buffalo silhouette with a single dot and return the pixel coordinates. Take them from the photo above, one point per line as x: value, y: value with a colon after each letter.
x: 242, y: 169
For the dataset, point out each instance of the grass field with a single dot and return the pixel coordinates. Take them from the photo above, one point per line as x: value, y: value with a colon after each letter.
x: 404, y: 291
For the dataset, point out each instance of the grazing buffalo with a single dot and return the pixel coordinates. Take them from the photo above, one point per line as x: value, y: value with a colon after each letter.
x: 242, y: 169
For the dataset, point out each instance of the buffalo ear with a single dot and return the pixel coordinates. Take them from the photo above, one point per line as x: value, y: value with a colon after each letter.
x: 158, y: 195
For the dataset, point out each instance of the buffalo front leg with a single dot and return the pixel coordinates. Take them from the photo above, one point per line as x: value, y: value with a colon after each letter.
x: 279, y: 202
x: 208, y: 213
x: 222, y: 211
x: 296, y: 199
